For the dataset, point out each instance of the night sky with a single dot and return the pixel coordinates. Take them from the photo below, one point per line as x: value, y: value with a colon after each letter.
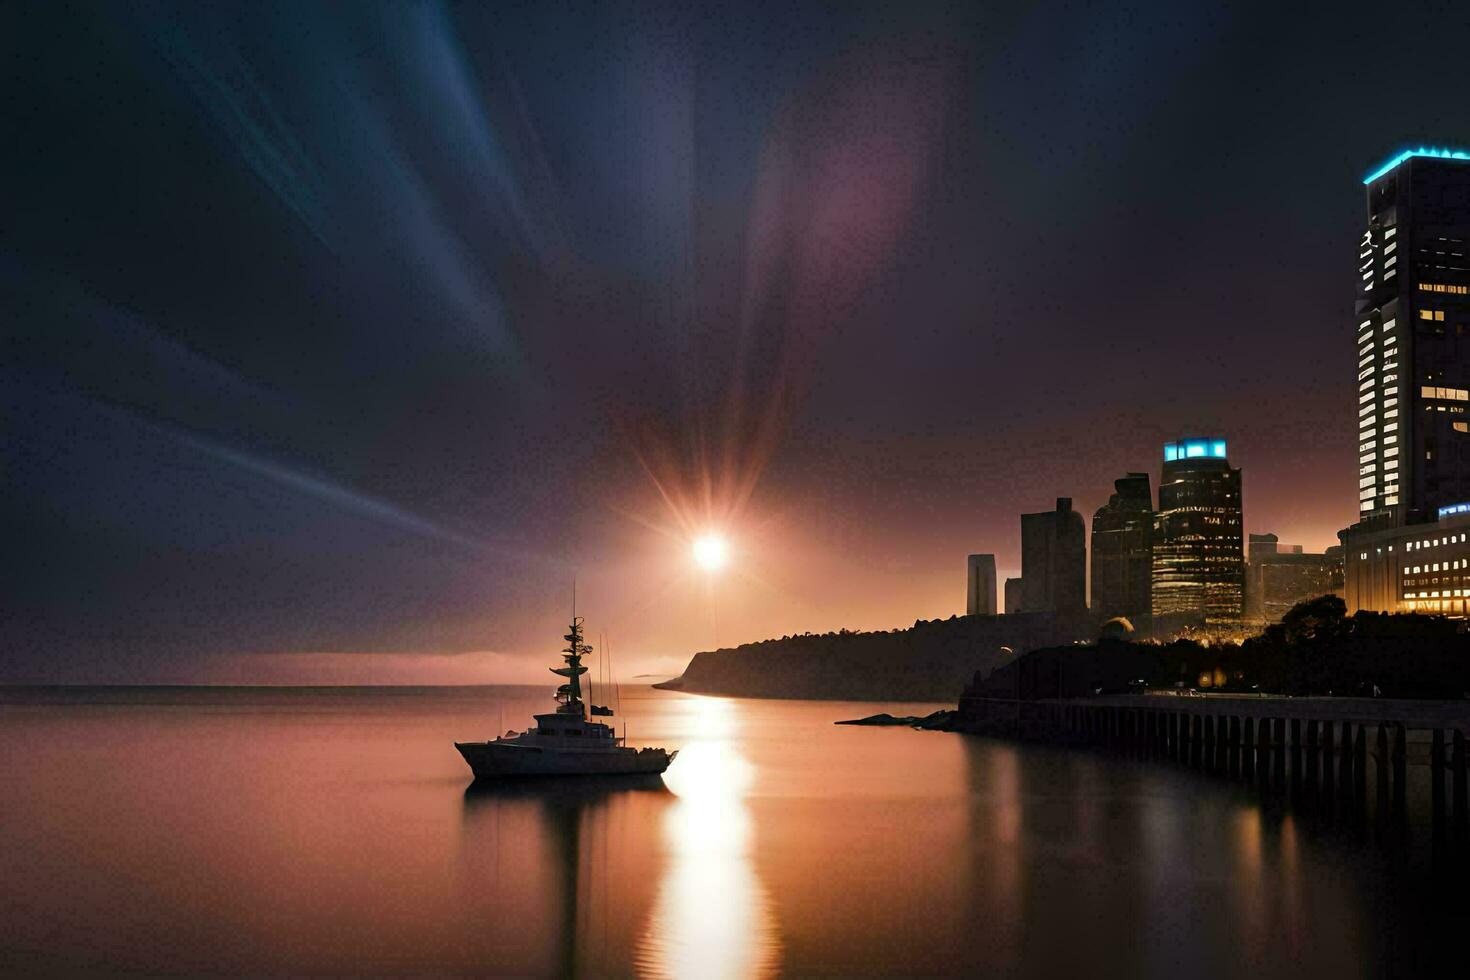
x: 338, y: 338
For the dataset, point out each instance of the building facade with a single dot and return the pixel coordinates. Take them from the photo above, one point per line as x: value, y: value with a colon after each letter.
x: 1012, y: 596
x: 1198, y: 558
x: 1280, y: 576
x: 1054, y: 560
x: 980, y: 589
x: 1122, y: 550
x: 1415, y: 568
x: 1412, y: 336
x: 1413, y: 352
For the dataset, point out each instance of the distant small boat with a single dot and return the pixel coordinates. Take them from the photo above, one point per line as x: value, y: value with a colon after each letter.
x: 564, y: 742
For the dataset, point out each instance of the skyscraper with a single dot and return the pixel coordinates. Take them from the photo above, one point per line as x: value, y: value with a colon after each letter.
x: 980, y: 590
x: 1413, y: 387
x: 1054, y: 560
x: 1413, y: 354
x: 1122, y: 550
x: 1198, y: 556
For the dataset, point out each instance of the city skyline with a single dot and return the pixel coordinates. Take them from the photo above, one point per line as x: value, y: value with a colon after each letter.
x: 486, y: 486
x: 345, y: 373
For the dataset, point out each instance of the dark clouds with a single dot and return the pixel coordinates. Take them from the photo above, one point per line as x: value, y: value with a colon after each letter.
x: 357, y: 328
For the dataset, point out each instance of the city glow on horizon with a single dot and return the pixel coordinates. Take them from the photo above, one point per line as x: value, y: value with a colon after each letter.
x: 711, y: 552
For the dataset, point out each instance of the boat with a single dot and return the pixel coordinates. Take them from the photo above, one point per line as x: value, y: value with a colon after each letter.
x: 564, y: 742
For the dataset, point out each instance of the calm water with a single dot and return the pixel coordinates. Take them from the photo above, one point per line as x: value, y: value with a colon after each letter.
x: 310, y: 831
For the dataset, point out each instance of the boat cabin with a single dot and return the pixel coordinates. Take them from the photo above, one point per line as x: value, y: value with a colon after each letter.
x: 561, y: 725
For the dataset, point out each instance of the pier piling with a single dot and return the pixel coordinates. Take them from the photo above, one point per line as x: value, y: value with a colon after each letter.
x: 1436, y: 781
x: 1380, y: 773
x: 1312, y: 767
x: 1278, y: 753
x: 1296, y: 756
x: 1461, y: 793
x: 1263, y: 752
x: 1400, y: 772
x: 1360, y: 769
x: 1327, y: 769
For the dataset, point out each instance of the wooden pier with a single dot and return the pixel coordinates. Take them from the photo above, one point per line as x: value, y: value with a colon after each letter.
x: 1339, y: 751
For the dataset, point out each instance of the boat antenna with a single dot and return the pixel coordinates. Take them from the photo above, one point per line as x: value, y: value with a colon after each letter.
x: 617, y: 690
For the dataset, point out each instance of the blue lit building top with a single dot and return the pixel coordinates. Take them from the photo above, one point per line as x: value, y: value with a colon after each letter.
x: 1433, y: 152
x: 1453, y: 509
x: 1194, y: 449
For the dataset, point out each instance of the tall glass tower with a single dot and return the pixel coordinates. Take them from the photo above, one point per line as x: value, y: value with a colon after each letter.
x: 1413, y: 339
x: 1198, y: 549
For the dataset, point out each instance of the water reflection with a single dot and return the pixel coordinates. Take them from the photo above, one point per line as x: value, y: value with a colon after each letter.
x: 1137, y: 866
x: 340, y: 841
x: 555, y: 866
x: 712, y: 917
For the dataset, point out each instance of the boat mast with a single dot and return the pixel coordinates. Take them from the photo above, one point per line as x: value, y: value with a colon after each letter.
x: 569, y: 695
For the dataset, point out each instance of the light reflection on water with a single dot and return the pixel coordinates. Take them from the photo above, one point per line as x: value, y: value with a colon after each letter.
x: 310, y: 832
x: 712, y: 917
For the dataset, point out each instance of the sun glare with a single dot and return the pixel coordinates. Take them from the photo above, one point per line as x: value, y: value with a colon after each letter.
x: 711, y: 552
